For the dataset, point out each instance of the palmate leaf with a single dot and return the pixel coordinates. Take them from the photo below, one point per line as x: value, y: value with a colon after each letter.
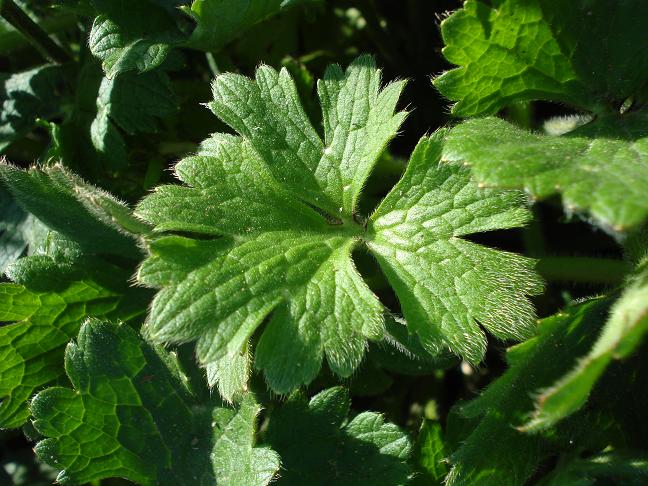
x: 319, y: 445
x: 42, y: 310
x: 266, y: 250
x: 130, y: 415
x: 568, y: 52
x: 507, y: 402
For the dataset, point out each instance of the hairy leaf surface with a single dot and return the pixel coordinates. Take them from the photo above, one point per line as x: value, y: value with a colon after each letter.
x: 568, y: 52
x: 276, y: 206
x: 62, y: 201
x: 601, y: 167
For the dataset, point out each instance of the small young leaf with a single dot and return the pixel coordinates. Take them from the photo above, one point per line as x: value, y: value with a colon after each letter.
x: 431, y: 454
x: 319, y: 447
x: 130, y: 415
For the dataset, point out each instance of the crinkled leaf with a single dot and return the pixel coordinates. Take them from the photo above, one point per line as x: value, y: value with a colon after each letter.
x: 601, y: 167
x: 222, y: 21
x: 26, y: 96
x: 507, y: 402
x: 587, y: 53
x: 622, y: 334
x: 63, y: 202
x: 132, y: 35
x: 130, y: 415
x: 42, y: 310
x: 266, y: 251
x: 319, y: 445
x: 448, y: 286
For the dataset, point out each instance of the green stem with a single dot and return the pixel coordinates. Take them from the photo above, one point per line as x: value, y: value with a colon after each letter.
x: 583, y: 269
x: 13, y: 14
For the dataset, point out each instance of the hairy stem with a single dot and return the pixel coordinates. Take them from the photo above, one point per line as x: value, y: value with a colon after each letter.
x: 13, y: 14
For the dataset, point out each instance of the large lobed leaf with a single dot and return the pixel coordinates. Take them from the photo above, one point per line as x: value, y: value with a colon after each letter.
x: 277, y: 210
x: 573, y: 53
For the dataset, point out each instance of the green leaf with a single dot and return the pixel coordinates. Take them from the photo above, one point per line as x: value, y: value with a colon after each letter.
x: 63, y: 202
x: 431, y: 454
x: 587, y: 53
x: 623, y: 332
x: 42, y: 311
x: 448, y: 286
x: 130, y: 415
x: 222, y: 21
x: 507, y: 402
x: 135, y: 102
x: 266, y: 250
x: 231, y: 374
x: 26, y: 96
x: 618, y: 467
x: 589, y: 166
x: 358, y: 123
x: 19, y: 231
x: 135, y: 35
x: 568, y: 52
x: 319, y: 446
